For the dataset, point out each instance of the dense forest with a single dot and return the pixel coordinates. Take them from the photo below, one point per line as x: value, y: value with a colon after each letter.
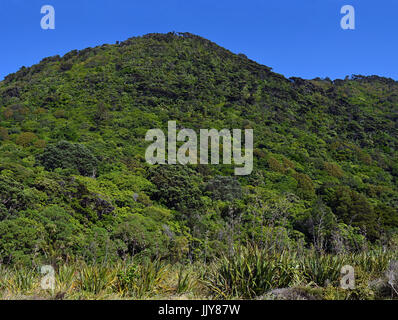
x: 75, y: 186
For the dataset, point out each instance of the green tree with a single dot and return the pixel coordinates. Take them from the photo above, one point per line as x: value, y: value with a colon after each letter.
x: 354, y: 209
x: 67, y: 155
x: 178, y: 187
x: 21, y: 239
x: 13, y: 198
x: 101, y: 115
x: 224, y: 188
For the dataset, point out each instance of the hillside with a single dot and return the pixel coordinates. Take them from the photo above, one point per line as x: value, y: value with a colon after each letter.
x: 74, y: 183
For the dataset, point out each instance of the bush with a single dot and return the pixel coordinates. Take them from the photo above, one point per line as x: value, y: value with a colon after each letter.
x: 224, y: 188
x: 26, y: 139
x: 95, y: 279
x: 64, y: 234
x: 321, y: 269
x: 251, y: 272
x: 136, y: 233
x: 67, y: 155
x: 141, y: 280
x: 178, y: 187
x: 21, y: 240
x: 13, y: 198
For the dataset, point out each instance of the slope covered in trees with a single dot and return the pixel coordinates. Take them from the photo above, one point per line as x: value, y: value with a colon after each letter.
x: 74, y: 182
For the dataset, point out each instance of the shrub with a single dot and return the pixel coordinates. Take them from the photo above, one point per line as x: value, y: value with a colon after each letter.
x: 178, y: 187
x: 4, y: 134
x: 251, y: 272
x: 13, y: 197
x: 25, y: 139
x: 321, y: 269
x: 21, y: 239
x: 136, y: 233
x: 141, y: 280
x: 95, y: 279
x: 224, y: 188
x: 67, y: 155
x: 333, y: 170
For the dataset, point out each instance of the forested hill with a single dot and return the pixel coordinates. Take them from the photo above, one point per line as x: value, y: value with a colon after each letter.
x: 74, y: 181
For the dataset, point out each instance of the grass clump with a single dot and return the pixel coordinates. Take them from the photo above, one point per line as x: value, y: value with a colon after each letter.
x: 250, y: 272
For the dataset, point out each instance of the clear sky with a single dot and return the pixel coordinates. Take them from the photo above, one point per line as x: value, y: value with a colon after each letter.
x: 295, y: 37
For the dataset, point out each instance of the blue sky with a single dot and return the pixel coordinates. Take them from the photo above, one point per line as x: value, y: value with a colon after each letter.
x: 295, y: 37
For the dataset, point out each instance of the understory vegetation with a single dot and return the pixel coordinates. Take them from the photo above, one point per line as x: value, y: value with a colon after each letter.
x: 76, y: 192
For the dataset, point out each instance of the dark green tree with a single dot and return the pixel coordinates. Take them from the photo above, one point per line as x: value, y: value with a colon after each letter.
x: 67, y: 155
